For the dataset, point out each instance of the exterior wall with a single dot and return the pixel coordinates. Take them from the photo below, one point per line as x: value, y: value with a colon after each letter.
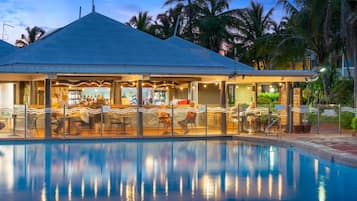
x: 244, y: 93
x: 208, y: 95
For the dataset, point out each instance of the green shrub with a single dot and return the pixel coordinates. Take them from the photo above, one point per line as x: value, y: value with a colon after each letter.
x: 354, y: 123
x: 346, y: 119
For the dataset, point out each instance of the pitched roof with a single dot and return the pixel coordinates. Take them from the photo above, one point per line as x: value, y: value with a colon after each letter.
x: 209, y: 54
x: 6, y: 48
x: 96, y: 40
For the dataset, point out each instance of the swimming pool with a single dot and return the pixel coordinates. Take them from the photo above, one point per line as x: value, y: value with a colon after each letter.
x: 169, y: 170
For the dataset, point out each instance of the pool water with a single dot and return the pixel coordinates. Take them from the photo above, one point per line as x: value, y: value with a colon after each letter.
x: 169, y: 170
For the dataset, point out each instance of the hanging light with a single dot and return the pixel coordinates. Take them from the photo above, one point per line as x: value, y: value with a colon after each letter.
x: 205, y: 85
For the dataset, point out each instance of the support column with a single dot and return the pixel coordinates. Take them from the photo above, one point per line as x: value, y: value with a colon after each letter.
x: 139, y: 99
x: 255, y: 93
x: 48, y: 108
x: 223, y: 105
x: 289, y: 102
x: 33, y: 93
x: 116, y: 93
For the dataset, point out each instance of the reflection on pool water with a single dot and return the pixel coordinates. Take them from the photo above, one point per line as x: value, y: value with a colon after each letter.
x: 169, y: 170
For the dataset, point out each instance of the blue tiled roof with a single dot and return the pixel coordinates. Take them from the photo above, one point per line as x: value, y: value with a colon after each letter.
x: 6, y: 48
x: 98, y: 40
x: 209, y: 54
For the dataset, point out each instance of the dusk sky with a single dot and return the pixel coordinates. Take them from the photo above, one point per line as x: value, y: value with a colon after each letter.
x: 51, y: 14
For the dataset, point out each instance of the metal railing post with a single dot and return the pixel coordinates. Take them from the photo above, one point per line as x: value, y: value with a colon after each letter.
x: 25, y: 122
x: 269, y: 116
x: 318, y: 118
x: 64, y: 121
x: 339, y: 118
x: 101, y: 121
x: 172, y: 120
x: 289, y: 119
x: 238, y: 119
x: 206, y: 112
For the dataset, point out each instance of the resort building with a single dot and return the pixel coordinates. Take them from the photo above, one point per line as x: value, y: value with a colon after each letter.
x: 97, y: 76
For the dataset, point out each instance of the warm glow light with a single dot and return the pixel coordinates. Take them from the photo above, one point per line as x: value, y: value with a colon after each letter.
x: 167, y: 87
x: 205, y: 85
x: 43, y: 193
x: 142, y: 191
x: 181, y: 88
x: 271, y: 158
x: 237, y: 185
x: 57, y: 193
x: 237, y: 87
x: 280, y: 186
x: 248, y: 88
x: 270, y: 185
x: 108, y: 188
x: 193, y: 187
x: 166, y: 187
x: 154, y: 188
x: 70, y: 190
x: 316, y: 168
x: 181, y: 186
x: 121, y: 86
x: 121, y: 189
x: 149, y: 164
x: 208, y: 187
x: 248, y: 185
x: 70, y: 87
x: 95, y: 187
x: 322, y: 190
x: 271, y: 90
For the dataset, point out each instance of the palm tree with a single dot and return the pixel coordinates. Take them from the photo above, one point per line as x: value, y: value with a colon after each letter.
x: 188, y: 14
x: 253, y: 33
x: 316, y: 25
x: 33, y: 34
x: 141, y: 22
x: 214, y: 23
x: 165, y: 23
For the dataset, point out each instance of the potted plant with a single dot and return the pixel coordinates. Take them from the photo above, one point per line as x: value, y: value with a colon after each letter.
x: 354, y: 126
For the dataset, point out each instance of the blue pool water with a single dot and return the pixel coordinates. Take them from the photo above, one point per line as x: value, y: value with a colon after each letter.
x: 169, y: 170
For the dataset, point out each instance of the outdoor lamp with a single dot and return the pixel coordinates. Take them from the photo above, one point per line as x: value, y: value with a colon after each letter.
x: 323, y: 69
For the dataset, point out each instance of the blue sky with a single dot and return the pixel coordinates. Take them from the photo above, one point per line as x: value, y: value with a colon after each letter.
x: 51, y: 14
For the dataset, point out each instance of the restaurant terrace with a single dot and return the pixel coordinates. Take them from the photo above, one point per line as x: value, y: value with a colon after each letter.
x: 99, y: 77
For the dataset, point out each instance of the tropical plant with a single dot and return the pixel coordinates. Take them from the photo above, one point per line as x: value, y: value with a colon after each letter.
x: 188, y: 13
x: 316, y: 25
x: 165, y: 23
x: 354, y: 123
x: 141, y: 22
x: 214, y: 22
x: 33, y: 34
x: 253, y: 35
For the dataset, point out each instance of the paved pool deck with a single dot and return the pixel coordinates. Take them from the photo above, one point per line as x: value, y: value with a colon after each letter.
x: 339, y: 148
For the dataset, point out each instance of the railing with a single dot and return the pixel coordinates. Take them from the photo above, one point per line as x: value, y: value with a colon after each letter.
x: 25, y: 122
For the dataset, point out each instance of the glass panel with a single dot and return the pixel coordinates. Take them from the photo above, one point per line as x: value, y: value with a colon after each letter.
x: 35, y: 121
x: 347, y: 114
x: 329, y: 117
x: 214, y: 119
x: 82, y: 122
x: 157, y: 120
x: 232, y: 120
x: 190, y: 119
x: 119, y: 121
